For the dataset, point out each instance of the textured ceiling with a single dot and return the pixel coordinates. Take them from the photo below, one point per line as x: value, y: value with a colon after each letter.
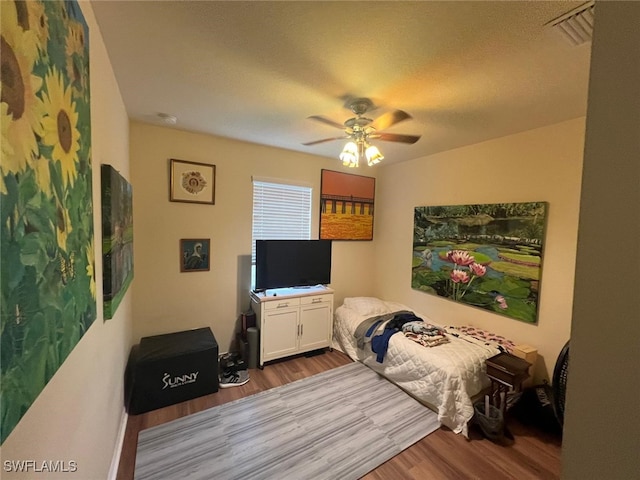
x: 254, y: 71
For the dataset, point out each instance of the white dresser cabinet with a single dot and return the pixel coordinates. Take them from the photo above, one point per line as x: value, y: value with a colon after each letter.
x: 292, y: 321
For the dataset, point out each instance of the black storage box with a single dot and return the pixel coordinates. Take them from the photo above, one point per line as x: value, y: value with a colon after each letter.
x: 171, y: 368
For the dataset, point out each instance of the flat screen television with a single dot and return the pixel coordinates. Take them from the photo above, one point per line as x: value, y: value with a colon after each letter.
x: 292, y: 263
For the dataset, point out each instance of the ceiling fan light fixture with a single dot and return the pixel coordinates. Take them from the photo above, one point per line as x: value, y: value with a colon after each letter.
x: 373, y: 155
x: 349, y: 155
x: 361, y: 129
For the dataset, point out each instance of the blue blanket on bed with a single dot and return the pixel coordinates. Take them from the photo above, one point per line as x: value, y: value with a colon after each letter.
x: 380, y: 343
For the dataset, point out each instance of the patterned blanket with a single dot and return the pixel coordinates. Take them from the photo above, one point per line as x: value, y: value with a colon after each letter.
x: 424, y: 333
x: 482, y: 336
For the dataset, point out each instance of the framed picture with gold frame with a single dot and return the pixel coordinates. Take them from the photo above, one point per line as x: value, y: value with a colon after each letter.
x: 192, y: 182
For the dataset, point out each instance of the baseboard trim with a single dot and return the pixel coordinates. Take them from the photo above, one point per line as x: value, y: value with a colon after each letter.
x: 115, y: 459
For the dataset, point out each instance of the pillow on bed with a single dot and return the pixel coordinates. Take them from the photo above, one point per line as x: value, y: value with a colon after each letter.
x: 396, y: 307
x: 366, y: 305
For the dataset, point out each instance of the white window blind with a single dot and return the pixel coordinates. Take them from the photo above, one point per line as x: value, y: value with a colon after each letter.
x: 280, y: 211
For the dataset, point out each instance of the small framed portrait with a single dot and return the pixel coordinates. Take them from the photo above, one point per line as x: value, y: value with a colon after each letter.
x: 195, y: 254
x: 192, y: 182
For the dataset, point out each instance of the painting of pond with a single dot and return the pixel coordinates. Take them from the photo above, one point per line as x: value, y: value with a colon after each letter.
x: 487, y: 256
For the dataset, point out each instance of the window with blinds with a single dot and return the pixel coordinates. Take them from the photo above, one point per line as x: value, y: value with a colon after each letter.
x: 280, y: 211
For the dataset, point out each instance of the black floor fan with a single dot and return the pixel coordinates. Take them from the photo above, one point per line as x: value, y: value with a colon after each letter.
x: 559, y: 383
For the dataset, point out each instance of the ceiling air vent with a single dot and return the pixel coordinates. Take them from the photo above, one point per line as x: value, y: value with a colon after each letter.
x: 575, y: 26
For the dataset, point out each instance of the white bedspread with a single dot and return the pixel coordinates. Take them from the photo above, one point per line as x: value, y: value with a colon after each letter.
x: 445, y: 376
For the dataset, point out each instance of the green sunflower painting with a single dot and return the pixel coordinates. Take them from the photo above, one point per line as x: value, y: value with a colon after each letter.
x: 47, y: 274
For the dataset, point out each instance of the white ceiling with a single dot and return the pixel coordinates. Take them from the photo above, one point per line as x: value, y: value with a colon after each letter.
x: 254, y: 71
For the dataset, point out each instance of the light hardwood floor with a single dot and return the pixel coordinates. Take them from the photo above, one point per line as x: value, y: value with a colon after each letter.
x: 441, y: 455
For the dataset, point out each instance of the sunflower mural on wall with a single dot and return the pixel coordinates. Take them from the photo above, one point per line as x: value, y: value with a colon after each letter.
x: 47, y: 272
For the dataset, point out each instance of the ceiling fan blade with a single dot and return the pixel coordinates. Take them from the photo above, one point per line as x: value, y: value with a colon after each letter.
x: 385, y: 120
x: 325, y: 140
x: 326, y: 121
x: 396, y: 137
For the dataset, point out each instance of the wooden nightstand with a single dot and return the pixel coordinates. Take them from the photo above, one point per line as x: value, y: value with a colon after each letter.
x: 507, y: 372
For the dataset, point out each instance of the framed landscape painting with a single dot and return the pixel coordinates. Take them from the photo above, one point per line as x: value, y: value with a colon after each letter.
x: 487, y: 256
x: 117, y: 238
x: 346, y: 206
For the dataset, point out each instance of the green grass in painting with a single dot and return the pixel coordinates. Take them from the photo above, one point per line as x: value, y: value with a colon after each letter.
x: 441, y: 243
x: 110, y: 306
x: 521, y: 271
x: 531, y: 260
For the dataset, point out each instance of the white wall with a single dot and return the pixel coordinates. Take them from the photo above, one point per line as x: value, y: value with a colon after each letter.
x: 167, y: 300
x: 602, y: 422
x: 538, y: 165
x: 78, y: 414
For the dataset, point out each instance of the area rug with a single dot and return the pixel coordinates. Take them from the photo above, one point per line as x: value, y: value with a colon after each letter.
x: 339, y: 424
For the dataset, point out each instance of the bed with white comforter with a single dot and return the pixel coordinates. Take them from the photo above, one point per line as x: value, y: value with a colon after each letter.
x: 445, y: 377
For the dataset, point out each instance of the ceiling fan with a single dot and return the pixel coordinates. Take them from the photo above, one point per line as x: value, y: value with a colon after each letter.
x: 360, y: 130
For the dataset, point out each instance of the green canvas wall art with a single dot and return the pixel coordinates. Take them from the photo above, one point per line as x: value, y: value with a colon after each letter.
x: 487, y: 256
x: 117, y: 238
x: 46, y: 213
